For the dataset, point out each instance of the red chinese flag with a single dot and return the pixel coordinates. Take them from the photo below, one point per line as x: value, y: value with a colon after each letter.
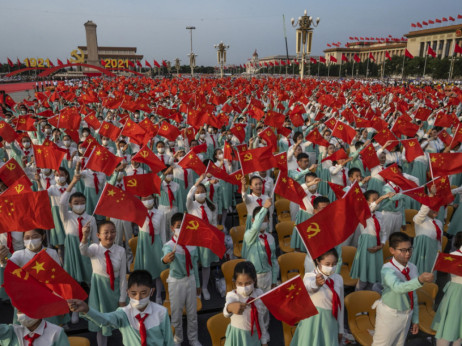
x: 197, y: 232
x: 192, y: 161
x: 48, y: 156
x: 274, y: 119
x: 330, y: 227
x: 356, y: 58
x: 322, y: 59
x: 443, y: 119
x: 270, y: 138
x: 392, y: 174
x: 332, y: 59
x: 30, y: 296
x: 338, y: 155
x: 457, y: 136
x: 49, y: 273
x: 169, y: 131
x: 147, y: 64
x: 142, y: 185
x: 288, y: 188
x: 408, y: 55
x: 337, y: 189
x: 121, y: 205
x: 423, y: 113
x: 10, y: 172
x: 431, y: 52
x: 446, y: 163
x: 457, y: 49
x: 135, y: 132
x: 200, y: 148
x: 387, y: 55
x: 7, y: 132
x: 217, y: 172
x: 413, y: 149
x: 25, y: 211
x: 290, y: 301
x: 315, y: 137
x: 383, y: 136
x: 371, y: 57
x: 10, y: 62
x: 448, y: 263
x: 156, y: 63
x: 344, y: 58
x: 403, y: 126
x: 345, y: 132
x: 109, y: 130
x: 68, y: 119
x: 102, y: 160
x: 369, y: 157
x: 296, y: 119
x: 145, y: 155
x: 22, y: 185
x: 92, y: 121
x: 238, y: 130
x: 256, y: 160
x: 280, y: 161
x: 445, y: 137
x: 356, y: 197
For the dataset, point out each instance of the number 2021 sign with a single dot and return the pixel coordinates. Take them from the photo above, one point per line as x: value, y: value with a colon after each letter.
x: 115, y: 63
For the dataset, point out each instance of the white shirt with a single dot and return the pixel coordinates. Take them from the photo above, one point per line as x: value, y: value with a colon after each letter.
x: 21, y: 257
x: 55, y: 192
x: 155, y: 311
x: 49, y: 334
x: 336, y: 174
x: 251, y: 201
x: 88, y: 178
x: 158, y: 222
x: 97, y: 252
x: 424, y: 225
x: 195, y: 208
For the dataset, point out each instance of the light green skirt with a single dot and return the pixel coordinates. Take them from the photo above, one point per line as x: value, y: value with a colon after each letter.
x: 320, y: 330
x: 367, y: 266
x: 448, y: 318
x: 240, y: 337
x: 78, y: 266
x: 148, y: 256
x: 424, y: 254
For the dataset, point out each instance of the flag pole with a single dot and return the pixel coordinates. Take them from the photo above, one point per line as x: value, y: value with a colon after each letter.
x: 425, y: 64
x: 367, y: 64
x: 99, y: 200
x: 402, y: 69
x: 455, y: 134
x: 271, y: 290
x: 285, y: 37
x: 353, y: 69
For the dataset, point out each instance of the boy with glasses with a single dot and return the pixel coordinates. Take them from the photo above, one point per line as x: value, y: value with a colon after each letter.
x: 398, y: 306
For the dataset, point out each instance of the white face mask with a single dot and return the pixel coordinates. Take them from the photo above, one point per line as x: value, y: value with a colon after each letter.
x: 78, y: 209
x: 200, y: 197
x: 220, y: 156
x: 85, y: 134
x: 161, y: 150
x: 139, y: 304
x: 82, y: 150
x: 202, y: 136
x: 26, y: 321
x: 149, y: 203
x: 26, y: 144
x: 176, y: 232
x: 60, y: 180
x: 67, y: 143
x: 326, y: 270
x: 46, y: 171
x: 245, y: 290
x: 169, y: 177
x: 104, y: 141
x: 120, y: 175
x: 263, y: 226
x: 33, y: 244
x: 48, y: 131
x: 313, y: 188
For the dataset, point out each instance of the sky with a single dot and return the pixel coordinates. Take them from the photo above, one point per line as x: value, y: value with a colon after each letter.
x: 53, y: 28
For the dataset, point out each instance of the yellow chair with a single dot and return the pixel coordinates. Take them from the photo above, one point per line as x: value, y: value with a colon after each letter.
x: 289, y: 332
x: 386, y: 252
x: 216, y: 326
x: 133, y: 243
x: 348, y: 255
x: 237, y: 234
x: 430, y: 288
x: 282, y: 207
x: 284, y: 230
x: 78, y: 341
x: 361, y: 316
x: 242, y: 213
x: 291, y: 264
x: 426, y: 312
x: 410, y: 230
x: 409, y: 215
x: 227, y: 269
x: 164, y: 277
x: 449, y: 212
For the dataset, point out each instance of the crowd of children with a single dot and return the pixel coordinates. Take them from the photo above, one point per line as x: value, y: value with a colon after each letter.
x: 97, y: 251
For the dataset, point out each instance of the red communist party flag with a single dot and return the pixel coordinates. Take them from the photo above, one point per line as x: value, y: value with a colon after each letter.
x: 197, y: 232
x: 142, y: 185
x: 413, y: 149
x: 393, y: 174
x: 218, y: 172
x: 168, y: 131
x: 270, y: 138
x: 22, y: 185
x: 345, y: 132
x: 256, y: 160
x: 10, y: 172
x: 315, y: 137
x: 145, y: 155
x: 7, y: 132
x: 109, y: 130
x: 30, y: 296
x: 338, y: 155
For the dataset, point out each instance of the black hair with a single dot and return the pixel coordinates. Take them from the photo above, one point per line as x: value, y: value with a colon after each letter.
x: 77, y: 195
x: 332, y: 251
x: 85, y: 129
x: 105, y: 222
x: 369, y: 193
x: 352, y: 171
x: 68, y: 179
x: 140, y: 278
x: 398, y: 237
x: 157, y: 144
x: 175, y: 218
x: 255, y: 177
x: 458, y: 240
x: 215, y: 156
x: 297, y: 134
x: 320, y: 199
x: 358, y: 145
x: 42, y: 232
x: 248, y: 268
x: 256, y: 211
x: 311, y: 174
x: 207, y: 200
x: 302, y: 156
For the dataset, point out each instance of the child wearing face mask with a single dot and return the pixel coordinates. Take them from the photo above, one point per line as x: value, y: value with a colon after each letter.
x: 241, y: 330
x: 167, y: 159
x: 226, y: 189
x: 45, y: 177
x: 326, y: 292
x: 71, y: 152
x: 199, y: 205
x: 255, y: 199
x: 31, y: 331
x: 55, y: 191
x: 368, y: 260
x: 93, y: 183
x: 151, y: 238
x: 259, y: 248
x: 108, y: 279
x: 183, y: 283
x: 74, y: 220
x: 33, y: 243
x: 141, y: 322
x: 108, y: 144
x: 134, y: 168
x: 169, y: 195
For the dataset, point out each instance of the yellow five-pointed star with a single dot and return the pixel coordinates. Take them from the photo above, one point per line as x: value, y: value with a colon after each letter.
x: 38, y: 266
x: 111, y: 193
x: 98, y: 153
x: 357, y: 190
x: 291, y: 287
x: 448, y: 258
x: 39, y: 151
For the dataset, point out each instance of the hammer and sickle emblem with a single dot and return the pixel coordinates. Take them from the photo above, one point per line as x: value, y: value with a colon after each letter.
x: 193, y: 225
x: 248, y: 157
x: 19, y: 188
x: 268, y: 133
x: 77, y: 56
x: 411, y: 144
x: 394, y: 170
x: 238, y: 176
x: 165, y: 127
x: 11, y: 166
x: 22, y: 121
x: 313, y: 230
x: 106, y: 126
x: 2, y: 125
x: 340, y: 127
x: 144, y: 154
x: 132, y: 183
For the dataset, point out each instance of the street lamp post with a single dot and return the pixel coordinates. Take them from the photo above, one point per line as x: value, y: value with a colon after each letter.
x: 177, y: 65
x: 221, y: 55
x: 192, y: 56
x: 304, y: 35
